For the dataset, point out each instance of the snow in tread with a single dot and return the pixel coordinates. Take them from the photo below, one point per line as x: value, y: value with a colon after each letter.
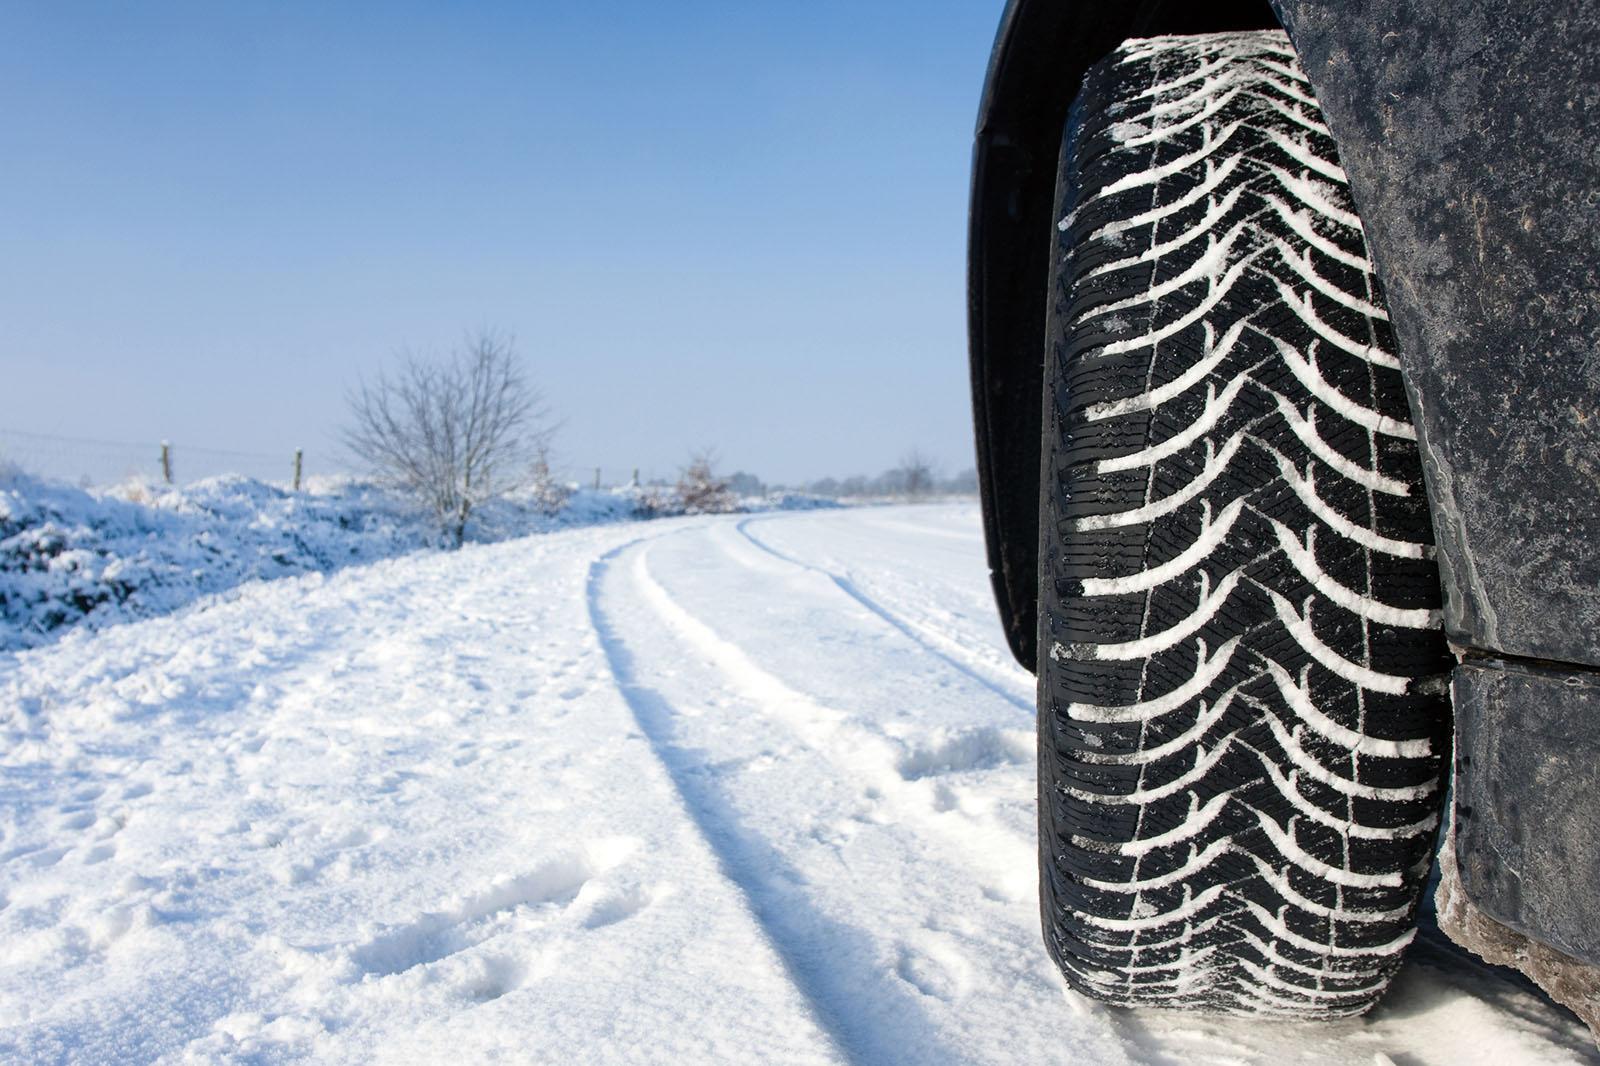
x: 1239, y: 770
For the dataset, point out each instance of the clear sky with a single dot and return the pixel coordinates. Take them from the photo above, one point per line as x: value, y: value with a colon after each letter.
x: 737, y: 224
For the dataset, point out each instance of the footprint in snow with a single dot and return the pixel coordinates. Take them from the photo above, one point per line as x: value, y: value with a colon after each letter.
x: 957, y: 751
x: 613, y: 905
x: 934, y: 968
x: 76, y: 820
x: 521, y: 902
x: 492, y: 976
x: 46, y: 857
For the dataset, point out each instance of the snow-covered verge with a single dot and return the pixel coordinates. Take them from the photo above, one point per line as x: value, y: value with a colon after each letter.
x: 71, y: 557
x: 722, y: 789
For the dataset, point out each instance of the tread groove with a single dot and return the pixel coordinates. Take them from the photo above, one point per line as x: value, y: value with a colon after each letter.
x: 1239, y: 770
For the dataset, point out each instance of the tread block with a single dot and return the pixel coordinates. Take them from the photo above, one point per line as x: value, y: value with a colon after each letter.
x: 1241, y: 729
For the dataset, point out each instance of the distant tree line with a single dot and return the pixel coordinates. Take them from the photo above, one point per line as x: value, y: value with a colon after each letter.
x: 457, y: 431
x: 915, y: 476
x: 894, y: 483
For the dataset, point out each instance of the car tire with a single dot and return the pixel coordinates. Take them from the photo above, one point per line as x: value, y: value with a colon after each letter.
x: 1242, y: 713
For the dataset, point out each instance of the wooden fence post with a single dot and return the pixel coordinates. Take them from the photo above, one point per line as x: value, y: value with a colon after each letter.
x: 166, y: 462
x: 298, y: 455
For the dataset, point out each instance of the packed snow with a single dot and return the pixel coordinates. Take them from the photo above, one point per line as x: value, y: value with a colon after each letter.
x: 741, y: 788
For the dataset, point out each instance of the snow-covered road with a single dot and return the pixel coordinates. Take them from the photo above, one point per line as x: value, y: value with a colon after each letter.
x: 714, y: 789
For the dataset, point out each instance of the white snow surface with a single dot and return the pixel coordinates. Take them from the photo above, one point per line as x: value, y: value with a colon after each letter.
x: 73, y: 557
x: 718, y: 789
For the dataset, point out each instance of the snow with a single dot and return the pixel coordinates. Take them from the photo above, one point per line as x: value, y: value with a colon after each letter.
x: 712, y: 789
x: 71, y: 557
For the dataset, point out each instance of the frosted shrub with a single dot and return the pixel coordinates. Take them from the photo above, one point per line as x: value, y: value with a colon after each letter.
x: 549, y: 494
x: 701, y: 491
x: 453, y: 434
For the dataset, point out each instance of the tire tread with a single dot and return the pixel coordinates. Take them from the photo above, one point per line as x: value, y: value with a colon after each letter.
x: 1240, y: 727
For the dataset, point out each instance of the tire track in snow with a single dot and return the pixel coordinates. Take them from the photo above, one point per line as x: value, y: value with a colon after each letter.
x: 1077, y: 1029
x: 436, y: 737
x: 932, y: 643
x: 896, y: 932
x: 890, y: 769
x: 1151, y: 1038
x: 793, y: 927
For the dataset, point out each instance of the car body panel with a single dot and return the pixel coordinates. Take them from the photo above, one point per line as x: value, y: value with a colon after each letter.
x: 1527, y: 774
x: 1471, y: 136
x: 1470, y: 132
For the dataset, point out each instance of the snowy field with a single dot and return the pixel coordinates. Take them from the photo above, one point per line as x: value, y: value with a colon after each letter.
x: 737, y: 789
x: 72, y: 557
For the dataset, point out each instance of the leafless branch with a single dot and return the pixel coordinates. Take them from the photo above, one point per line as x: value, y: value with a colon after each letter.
x: 452, y: 433
x: 700, y: 490
x: 916, y: 473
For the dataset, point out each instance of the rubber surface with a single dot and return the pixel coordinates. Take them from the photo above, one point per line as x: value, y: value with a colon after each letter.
x: 1242, y: 713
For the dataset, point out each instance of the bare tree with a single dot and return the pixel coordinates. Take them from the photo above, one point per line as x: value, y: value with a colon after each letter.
x: 700, y: 490
x: 454, y: 433
x: 915, y: 473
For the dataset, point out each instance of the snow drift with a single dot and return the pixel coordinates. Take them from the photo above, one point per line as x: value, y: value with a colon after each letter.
x: 74, y: 557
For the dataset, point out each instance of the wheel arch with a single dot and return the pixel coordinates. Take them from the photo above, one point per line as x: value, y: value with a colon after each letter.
x: 1466, y: 131
x: 1040, y: 55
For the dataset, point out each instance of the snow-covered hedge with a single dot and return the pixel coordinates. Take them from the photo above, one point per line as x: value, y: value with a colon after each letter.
x: 71, y: 557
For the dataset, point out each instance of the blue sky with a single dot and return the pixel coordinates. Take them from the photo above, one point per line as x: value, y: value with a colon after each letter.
x: 728, y: 224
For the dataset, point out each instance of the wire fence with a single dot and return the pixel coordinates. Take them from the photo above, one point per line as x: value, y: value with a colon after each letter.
x: 89, y: 462
x: 86, y: 461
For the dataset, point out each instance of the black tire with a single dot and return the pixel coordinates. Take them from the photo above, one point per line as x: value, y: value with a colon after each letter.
x: 1242, y: 713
